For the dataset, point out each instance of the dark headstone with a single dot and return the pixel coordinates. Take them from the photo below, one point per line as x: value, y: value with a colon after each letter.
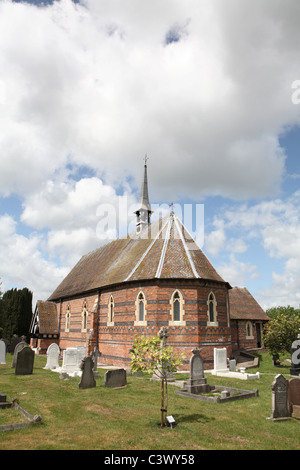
x: 280, y: 407
x: 87, y: 378
x: 115, y: 378
x: 25, y: 360
x: 294, y: 397
x: 197, y: 383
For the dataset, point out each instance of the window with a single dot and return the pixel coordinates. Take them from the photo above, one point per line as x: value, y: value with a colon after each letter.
x: 84, y: 315
x: 111, y: 311
x: 140, y: 305
x: 249, y: 330
x: 177, y: 308
x: 212, y: 310
x: 68, y: 317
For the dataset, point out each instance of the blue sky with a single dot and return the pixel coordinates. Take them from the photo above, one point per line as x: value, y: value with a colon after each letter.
x: 88, y: 87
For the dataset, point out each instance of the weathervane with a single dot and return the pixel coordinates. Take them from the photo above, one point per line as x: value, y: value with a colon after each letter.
x: 171, y: 208
x: 146, y: 158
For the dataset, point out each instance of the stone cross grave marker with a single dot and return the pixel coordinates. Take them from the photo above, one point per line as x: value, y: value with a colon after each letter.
x: 2, y: 352
x: 25, y: 359
x: 53, y: 353
x: 280, y: 408
x: 87, y: 378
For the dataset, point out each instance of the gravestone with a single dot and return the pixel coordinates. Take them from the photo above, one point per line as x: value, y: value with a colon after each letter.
x: 87, y: 378
x: 53, y: 353
x: 280, y: 408
x: 115, y: 378
x: 95, y: 354
x: 295, y: 357
x: 197, y: 383
x: 15, y: 340
x: 294, y: 398
x: 2, y: 352
x: 220, y: 359
x: 18, y: 348
x: 71, y: 361
x: 25, y: 359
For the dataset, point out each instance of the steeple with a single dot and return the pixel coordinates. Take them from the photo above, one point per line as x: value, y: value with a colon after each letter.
x: 143, y: 213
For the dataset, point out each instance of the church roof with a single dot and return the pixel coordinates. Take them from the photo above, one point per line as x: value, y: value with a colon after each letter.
x: 45, y: 317
x: 164, y: 250
x: 243, y: 306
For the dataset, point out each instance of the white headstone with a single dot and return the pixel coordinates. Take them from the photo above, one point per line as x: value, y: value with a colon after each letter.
x: 53, y: 353
x: 71, y: 362
x: 2, y: 352
x: 220, y: 359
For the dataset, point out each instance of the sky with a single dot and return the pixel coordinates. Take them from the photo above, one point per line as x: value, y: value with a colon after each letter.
x: 208, y: 89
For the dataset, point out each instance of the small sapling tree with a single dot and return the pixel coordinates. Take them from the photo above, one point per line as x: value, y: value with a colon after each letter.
x: 148, y: 355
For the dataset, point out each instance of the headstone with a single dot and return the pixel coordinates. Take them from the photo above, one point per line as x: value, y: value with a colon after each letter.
x: 53, y: 353
x: 87, y: 378
x: 95, y: 354
x: 280, y: 408
x: 18, y: 348
x: 295, y: 357
x: 232, y: 365
x: 115, y: 378
x: 15, y: 340
x: 220, y: 359
x: 71, y: 362
x: 25, y: 359
x: 2, y: 352
x: 197, y: 383
x: 294, y: 398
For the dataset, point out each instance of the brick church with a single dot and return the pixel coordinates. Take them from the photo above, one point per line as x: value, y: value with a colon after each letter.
x: 154, y: 277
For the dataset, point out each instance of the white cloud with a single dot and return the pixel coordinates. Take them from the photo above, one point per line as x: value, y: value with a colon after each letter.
x: 99, y: 84
x: 23, y: 262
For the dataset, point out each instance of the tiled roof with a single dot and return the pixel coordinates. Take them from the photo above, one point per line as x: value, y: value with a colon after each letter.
x: 47, y: 315
x: 243, y: 306
x: 169, y: 252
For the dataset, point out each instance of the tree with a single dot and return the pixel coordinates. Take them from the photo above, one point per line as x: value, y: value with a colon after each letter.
x: 16, y: 312
x: 281, y: 331
x: 288, y: 311
x: 148, y: 355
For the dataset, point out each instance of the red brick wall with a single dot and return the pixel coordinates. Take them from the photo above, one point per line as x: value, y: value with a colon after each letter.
x: 115, y: 340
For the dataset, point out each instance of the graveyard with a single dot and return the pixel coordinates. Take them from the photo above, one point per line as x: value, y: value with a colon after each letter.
x: 127, y: 417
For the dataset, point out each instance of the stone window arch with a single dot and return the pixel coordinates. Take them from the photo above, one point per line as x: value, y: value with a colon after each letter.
x: 212, y: 310
x: 111, y: 311
x: 177, y: 302
x: 140, y: 309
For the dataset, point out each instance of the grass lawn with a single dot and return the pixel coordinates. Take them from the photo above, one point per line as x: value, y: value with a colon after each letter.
x: 102, y: 418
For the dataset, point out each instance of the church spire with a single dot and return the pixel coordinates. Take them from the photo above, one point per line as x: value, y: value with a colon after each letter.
x: 144, y: 211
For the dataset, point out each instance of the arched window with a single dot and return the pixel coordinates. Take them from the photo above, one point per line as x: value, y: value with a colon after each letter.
x: 212, y: 310
x: 177, y: 308
x: 68, y: 318
x: 249, y: 330
x: 111, y: 309
x: 84, y: 315
x: 140, y: 305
